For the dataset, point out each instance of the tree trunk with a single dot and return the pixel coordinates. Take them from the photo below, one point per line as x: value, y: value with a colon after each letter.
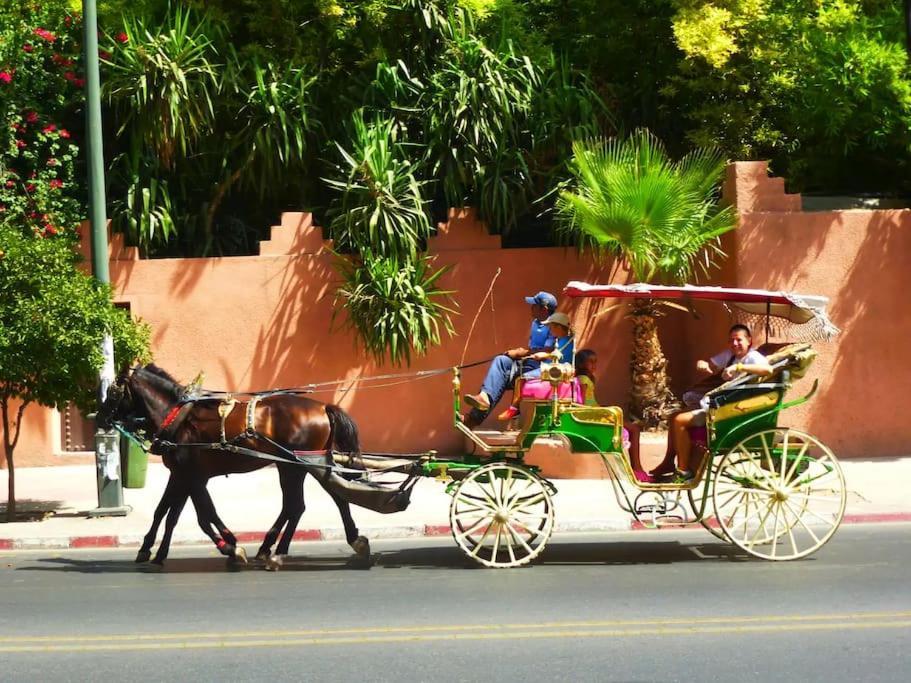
x: 651, y: 400
x: 8, y: 446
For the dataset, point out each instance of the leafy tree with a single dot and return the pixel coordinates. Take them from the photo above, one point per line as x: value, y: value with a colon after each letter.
x: 820, y: 87
x: 52, y: 321
x: 389, y: 291
x: 627, y: 199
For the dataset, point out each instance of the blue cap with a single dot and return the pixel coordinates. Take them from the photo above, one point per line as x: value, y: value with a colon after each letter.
x: 546, y: 299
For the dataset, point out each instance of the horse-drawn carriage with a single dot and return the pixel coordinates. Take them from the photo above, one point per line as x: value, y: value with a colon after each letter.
x: 775, y: 492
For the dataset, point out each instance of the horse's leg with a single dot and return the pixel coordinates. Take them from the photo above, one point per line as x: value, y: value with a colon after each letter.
x: 359, y: 544
x: 181, y: 493
x: 291, y: 479
x: 292, y: 482
x: 145, y: 550
x: 265, y: 549
x: 208, y: 521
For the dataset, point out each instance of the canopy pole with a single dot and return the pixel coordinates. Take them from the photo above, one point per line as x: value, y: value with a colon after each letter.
x: 768, y: 320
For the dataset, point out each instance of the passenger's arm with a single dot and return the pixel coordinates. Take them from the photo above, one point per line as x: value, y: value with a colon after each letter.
x: 759, y: 369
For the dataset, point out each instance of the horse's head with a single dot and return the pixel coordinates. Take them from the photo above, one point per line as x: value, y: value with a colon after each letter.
x: 117, y: 406
x: 139, y: 399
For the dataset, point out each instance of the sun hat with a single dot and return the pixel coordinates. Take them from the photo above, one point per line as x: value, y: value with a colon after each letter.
x: 559, y: 319
x: 546, y: 299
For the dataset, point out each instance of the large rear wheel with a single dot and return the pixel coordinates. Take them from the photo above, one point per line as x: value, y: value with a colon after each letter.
x: 502, y: 515
x: 779, y: 494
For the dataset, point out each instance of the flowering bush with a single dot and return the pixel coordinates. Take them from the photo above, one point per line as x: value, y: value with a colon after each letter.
x: 40, y: 89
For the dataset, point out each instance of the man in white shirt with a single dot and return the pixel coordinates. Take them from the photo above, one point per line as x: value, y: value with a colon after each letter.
x: 738, y: 359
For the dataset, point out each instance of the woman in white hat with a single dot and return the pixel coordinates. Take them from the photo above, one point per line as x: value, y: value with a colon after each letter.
x: 564, y: 349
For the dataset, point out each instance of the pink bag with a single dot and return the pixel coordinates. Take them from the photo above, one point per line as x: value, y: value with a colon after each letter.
x: 541, y: 390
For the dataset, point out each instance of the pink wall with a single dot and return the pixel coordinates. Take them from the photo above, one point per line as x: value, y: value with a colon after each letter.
x: 261, y: 322
x: 860, y: 260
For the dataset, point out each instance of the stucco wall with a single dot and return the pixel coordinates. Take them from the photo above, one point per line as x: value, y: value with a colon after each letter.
x: 265, y: 321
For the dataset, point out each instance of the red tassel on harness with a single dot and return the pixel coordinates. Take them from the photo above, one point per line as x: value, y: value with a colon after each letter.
x: 171, y: 416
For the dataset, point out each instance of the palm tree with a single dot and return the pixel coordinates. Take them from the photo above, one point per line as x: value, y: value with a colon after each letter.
x: 626, y: 198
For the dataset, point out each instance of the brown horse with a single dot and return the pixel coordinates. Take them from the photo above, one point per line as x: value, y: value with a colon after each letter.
x: 187, y: 433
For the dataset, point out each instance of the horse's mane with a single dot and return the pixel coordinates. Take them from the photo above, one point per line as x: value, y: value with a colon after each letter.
x: 174, y: 386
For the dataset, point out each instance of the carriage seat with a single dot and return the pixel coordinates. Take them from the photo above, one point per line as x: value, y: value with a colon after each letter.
x: 748, y: 394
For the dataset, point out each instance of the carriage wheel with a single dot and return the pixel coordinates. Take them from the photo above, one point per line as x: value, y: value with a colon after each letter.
x: 704, y: 490
x: 779, y: 494
x: 502, y: 515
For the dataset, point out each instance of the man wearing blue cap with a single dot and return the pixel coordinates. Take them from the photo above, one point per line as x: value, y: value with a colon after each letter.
x: 507, y: 366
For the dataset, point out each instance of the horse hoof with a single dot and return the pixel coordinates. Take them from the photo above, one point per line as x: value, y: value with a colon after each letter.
x: 274, y: 563
x: 361, y: 546
x: 262, y: 556
x: 158, y: 561
x: 143, y: 556
x: 240, y: 555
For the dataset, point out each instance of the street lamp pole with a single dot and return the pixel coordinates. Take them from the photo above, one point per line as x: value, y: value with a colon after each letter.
x: 107, y: 447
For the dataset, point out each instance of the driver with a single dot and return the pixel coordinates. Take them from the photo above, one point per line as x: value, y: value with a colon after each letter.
x: 738, y: 359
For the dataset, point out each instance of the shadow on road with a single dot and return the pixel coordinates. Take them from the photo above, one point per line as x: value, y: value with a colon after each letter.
x: 556, y: 554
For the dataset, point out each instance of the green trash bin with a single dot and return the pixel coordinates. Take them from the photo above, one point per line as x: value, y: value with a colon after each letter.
x: 134, y: 461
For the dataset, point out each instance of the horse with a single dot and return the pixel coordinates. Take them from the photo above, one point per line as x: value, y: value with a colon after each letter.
x: 148, y: 398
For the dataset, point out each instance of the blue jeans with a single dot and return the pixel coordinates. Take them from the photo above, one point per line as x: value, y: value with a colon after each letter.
x: 501, y: 375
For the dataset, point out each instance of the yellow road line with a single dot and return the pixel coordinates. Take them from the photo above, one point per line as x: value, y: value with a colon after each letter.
x: 687, y: 624
x: 422, y: 638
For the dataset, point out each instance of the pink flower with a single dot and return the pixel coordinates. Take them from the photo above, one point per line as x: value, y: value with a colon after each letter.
x: 21, y: 144
x: 56, y: 184
x: 10, y: 183
x: 28, y: 47
x: 31, y: 117
x: 6, y: 77
x: 64, y: 133
x: 104, y: 54
x: 51, y: 230
x: 44, y: 34
x: 122, y: 38
x: 79, y: 82
x: 70, y: 76
x: 52, y: 162
x: 30, y: 187
x: 60, y: 60
x: 49, y: 128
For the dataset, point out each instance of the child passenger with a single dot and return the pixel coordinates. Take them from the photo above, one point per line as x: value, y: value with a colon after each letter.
x: 558, y: 324
x: 586, y: 365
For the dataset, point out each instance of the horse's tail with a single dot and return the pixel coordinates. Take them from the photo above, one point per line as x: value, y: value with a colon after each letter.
x: 343, y: 436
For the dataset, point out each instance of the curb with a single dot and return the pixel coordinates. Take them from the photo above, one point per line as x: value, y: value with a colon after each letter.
x: 133, y: 540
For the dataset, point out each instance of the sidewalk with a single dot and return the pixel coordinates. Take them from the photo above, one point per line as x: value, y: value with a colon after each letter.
x: 249, y: 503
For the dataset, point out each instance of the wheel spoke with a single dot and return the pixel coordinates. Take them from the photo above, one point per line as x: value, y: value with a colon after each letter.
x: 784, y: 510
x: 789, y: 476
x: 768, y: 511
x: 803, y: 524
x: 518, y: 537
x: 775, y: 529
x: 465, y: 533
x: 784, y: 453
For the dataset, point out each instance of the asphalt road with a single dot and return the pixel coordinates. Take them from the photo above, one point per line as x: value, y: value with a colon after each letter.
x: 634, y: 606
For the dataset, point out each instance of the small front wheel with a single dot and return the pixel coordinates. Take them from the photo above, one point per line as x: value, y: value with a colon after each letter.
x: 502, y: 515
x: 779, y: 494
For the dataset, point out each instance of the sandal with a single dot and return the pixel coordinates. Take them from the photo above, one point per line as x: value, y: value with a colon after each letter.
x: 664, y: 467
x: 683, y: 476
x: 643, y: 476
x: 508, y: 414
x: 480, y: 402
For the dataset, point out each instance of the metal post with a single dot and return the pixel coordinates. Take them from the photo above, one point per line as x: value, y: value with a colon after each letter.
x: 107, y: 443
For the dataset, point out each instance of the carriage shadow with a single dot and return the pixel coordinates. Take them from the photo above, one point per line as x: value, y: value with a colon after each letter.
x: 569, y: 554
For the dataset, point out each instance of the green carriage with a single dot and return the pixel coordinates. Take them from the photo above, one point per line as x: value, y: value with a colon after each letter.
x: 775, y: 492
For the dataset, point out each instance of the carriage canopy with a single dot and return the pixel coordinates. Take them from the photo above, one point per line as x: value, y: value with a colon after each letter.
x: 788, y: 307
